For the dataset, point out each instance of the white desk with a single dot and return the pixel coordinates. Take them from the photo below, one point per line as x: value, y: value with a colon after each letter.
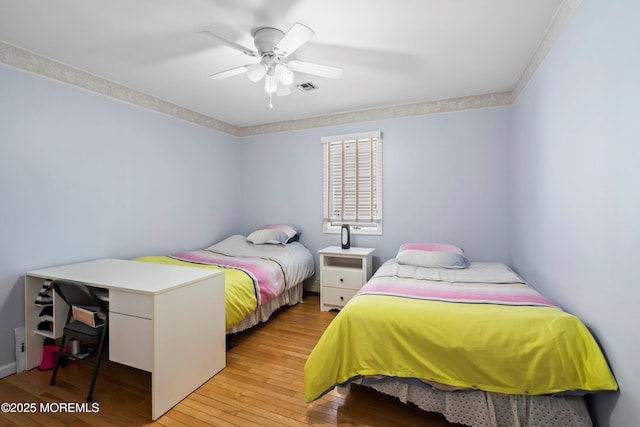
x: 165, y: 319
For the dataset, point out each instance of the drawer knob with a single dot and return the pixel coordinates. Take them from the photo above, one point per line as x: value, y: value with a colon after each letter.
x: 341, y: 298
x: 341, y: 280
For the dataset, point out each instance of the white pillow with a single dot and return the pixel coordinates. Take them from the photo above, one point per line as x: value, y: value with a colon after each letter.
x: 432, y: 255
x: 274, y: 234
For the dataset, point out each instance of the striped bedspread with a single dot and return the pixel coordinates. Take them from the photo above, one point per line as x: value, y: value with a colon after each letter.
x: 487, y: 293
x: 478, y: 328
x: 249, y: 281
x: 267, y: 274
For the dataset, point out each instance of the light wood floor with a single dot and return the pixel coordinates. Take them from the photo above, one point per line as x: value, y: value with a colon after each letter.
x: 262, y: 385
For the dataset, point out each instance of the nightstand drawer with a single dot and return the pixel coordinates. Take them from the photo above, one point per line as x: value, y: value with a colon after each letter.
x: 342, y: 273
x: 342, y: 277
x: 337, y: 296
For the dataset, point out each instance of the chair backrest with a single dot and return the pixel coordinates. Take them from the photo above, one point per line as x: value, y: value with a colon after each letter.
x: 77, y: 294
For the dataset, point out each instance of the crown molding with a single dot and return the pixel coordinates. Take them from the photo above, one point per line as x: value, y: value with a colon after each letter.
x: 559, y: 23
x: 383, y: 113
x: 28, y: 61
x: 34, y: 63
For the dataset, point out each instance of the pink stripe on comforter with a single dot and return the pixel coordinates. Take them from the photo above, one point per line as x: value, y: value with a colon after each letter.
x: 487, y: 293
x: 267, y: 274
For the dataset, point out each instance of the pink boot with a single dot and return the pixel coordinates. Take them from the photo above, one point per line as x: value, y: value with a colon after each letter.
x: 49, y: 349
x: 49, y: 355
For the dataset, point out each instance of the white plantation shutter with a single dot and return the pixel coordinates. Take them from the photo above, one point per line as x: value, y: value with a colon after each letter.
x: 352, y: 183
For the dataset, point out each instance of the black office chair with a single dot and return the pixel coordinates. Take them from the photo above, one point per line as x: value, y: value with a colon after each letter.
x: 79, y: 295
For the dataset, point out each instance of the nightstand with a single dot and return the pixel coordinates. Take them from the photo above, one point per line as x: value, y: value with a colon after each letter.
x: 342, y: 273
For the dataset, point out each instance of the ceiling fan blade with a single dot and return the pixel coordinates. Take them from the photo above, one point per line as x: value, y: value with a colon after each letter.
x: 315, y: 69
x: 217, y: 39
x: 283, y: 90
x: 294, y: 38
x: 229, y: 73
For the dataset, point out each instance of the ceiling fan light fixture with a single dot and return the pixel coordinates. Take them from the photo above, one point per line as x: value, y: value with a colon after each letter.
x: 256, y: 71
x: 272, y: 46
x: 270, y: 83
x: 283, y: 90
x: 284, y: 74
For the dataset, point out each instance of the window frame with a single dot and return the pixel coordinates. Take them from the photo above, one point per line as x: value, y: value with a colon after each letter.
x: 369, y: 227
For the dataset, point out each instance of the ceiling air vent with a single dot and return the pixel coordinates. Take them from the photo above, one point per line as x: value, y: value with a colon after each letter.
x: 306, y: 87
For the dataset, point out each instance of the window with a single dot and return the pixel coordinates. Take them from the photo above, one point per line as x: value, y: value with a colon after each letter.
x: 352, y: 183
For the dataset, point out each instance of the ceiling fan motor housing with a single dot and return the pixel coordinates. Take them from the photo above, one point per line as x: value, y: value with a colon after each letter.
x: 266, y: 39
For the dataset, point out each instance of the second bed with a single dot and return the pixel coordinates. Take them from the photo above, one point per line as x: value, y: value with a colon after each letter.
x: 259, y: 278
x: 475, y: 343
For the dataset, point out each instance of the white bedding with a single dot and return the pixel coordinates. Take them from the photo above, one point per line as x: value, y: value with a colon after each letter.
x: 477, y: 272
x: 296, y: 259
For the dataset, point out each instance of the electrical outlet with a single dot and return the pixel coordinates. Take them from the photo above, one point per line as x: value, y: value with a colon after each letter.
x: 21, y: 357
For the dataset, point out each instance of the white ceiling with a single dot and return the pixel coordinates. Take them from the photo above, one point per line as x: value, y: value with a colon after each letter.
x: 393, y: 52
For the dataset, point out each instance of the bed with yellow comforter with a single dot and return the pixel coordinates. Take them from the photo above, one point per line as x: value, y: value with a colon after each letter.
x: 258, y: 278
x: 480, y: 329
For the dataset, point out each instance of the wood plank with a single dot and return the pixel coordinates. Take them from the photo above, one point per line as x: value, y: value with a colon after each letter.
x: 262, y: 385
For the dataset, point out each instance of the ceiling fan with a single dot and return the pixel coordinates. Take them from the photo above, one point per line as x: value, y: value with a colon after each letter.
x: 272, y: 46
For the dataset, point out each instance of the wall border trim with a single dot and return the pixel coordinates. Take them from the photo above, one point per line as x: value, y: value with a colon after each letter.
x: 31, y: 62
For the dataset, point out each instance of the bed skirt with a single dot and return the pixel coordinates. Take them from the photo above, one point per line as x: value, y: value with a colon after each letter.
x: 486, y: 409
x: 290, y: 297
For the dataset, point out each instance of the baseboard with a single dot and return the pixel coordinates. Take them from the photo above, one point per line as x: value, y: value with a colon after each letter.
x: 312, y: 286
x: 7, y: 370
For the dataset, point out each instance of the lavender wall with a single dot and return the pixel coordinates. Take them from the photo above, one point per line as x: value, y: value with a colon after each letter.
x: 575, y: 227
x: 84, y: 177
x: 548, y: 185
x: 445, y: 179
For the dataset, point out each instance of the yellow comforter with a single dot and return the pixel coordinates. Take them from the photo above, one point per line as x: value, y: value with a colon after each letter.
x: 240, y: 296
x: 527, y: 350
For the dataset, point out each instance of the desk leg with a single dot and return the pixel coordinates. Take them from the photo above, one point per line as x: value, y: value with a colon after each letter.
x: 189, y: 341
